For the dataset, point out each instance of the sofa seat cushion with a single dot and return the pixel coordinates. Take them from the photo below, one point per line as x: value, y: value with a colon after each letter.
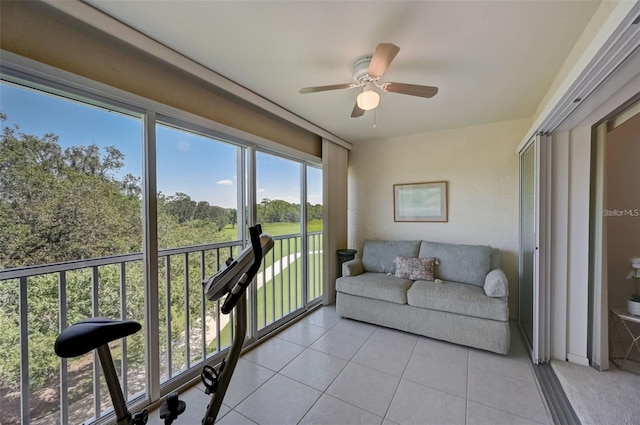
x: 460, y: 298
x: 378, y: 286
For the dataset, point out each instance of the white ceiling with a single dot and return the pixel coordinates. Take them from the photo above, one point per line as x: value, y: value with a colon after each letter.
x: 492, y: 60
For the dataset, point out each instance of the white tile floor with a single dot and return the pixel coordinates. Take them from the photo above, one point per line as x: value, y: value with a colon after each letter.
x: 329, y: 370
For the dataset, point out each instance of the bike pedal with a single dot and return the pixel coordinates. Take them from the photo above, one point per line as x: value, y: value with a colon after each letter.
x: 210, y: 378
x: 172, y: 407
x: 141, y: 418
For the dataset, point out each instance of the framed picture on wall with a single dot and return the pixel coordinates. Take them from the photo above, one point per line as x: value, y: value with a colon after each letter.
x: 420, y: 202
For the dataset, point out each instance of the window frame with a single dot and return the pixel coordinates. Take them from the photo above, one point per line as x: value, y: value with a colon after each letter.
x: 27, y: 73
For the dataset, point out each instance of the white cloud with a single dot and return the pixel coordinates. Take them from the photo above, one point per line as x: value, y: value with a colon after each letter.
x: 261, y: 190
x: 224, y: 182
x: 184, y: 146
x: 314, y: 198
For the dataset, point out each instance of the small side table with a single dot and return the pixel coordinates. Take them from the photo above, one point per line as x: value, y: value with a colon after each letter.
x: 345, y: 255
x: 619, y: 316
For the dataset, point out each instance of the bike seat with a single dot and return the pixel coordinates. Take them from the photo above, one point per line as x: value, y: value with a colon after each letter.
x: 92, y: 333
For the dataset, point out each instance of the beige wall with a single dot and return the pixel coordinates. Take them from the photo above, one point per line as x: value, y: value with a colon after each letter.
x: 622, y: 185
x: 481, y: 166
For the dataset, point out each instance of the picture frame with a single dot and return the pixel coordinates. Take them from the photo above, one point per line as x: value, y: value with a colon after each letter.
x: 417, y: 202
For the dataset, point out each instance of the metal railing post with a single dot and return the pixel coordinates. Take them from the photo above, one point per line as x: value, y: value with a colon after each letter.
x: 62, y: 306
x: 24, y: 354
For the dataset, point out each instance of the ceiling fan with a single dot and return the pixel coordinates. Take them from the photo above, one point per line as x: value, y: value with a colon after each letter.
x: 367, y: 72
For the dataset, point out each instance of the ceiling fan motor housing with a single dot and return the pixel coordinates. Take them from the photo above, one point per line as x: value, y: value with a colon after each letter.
x: 361, y: 70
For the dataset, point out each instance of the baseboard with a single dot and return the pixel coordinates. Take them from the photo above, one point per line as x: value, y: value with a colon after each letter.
x: 583, y: 361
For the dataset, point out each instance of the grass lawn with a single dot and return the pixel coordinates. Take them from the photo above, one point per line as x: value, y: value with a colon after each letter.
x: 285, y: 288
x: 276, y: 229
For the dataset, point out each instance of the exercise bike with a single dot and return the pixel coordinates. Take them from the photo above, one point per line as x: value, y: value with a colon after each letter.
x: 96, y: 333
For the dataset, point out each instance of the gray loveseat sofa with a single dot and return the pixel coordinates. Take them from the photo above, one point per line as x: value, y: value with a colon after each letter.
x: 465, y: 303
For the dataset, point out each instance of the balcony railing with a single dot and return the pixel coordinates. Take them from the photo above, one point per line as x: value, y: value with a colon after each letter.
x: 48, y: 298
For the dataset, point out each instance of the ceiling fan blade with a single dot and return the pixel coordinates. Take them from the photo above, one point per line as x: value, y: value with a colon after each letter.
x: 326, y: 88
x: 382, y: 57
x: 357, y: 112
x: 410, y: 89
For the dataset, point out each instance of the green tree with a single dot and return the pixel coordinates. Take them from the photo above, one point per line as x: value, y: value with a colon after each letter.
x: 180, y: 206
x: 232, y: 216
x: 314, y: 212
x: 184, y: 209
x: 60, y: 206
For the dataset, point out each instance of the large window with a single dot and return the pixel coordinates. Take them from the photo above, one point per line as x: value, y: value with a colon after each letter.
x: 70, y: 179
x: 73, y: 219
x: 69, y: 191
x: 197, y: 178
x: 278, y: 210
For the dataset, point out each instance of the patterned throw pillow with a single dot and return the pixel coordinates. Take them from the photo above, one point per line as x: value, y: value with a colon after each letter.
x: 415, y: 268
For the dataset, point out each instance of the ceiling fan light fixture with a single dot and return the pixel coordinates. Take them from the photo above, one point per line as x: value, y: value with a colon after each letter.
x: 368, y: 99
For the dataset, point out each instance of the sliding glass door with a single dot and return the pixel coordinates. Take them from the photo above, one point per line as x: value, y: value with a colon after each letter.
x: 534, y: 292
x: 280, y: 284
x: 527, y: 240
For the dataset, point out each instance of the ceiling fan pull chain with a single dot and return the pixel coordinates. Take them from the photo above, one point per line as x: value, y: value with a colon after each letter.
x: 375, y: 116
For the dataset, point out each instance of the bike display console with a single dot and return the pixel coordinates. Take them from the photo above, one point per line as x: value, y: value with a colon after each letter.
x: 221, y: 283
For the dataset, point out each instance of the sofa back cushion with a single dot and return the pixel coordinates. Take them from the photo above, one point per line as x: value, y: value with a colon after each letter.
x: 459, y: 263
x: 495, y: 259
x: 379, y: 256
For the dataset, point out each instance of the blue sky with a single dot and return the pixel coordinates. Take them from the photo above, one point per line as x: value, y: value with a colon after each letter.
x: 186, y: 162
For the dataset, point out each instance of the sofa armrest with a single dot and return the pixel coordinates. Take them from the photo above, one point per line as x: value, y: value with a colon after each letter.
x: 496, y: 284
x: 352, y: 267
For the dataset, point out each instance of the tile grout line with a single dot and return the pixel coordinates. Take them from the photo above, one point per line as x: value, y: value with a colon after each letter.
x: 535, y: 382
x: 413, y: 349
x: 510, y: 413
x: 308, y: 386
x: 434, y: 388
x: 275, y: 373
x: 323, y: 392
x: 348, y: 361
x: 302, y: 383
